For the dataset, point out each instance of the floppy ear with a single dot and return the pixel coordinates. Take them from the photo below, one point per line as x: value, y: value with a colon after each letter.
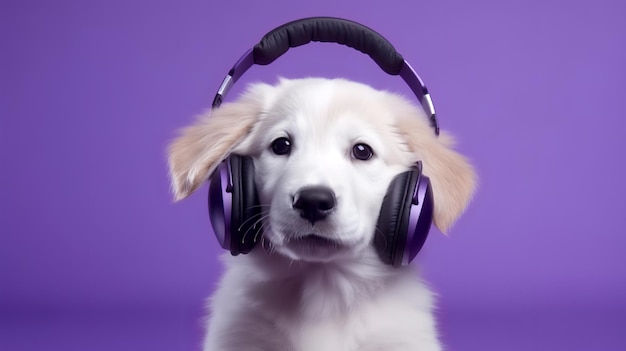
x: 452, y: 177
x: 195, y: 154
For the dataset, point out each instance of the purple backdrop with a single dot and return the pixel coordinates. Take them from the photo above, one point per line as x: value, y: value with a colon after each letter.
x: 95, y: 256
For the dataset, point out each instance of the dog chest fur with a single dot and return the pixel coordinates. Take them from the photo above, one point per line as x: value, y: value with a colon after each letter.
x: 300, y: 307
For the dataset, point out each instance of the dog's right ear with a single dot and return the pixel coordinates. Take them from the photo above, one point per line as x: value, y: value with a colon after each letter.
x: 200, y: 148
x: 452, y: 176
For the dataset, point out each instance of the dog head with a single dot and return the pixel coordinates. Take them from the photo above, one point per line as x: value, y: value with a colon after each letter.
x: 324, y: 152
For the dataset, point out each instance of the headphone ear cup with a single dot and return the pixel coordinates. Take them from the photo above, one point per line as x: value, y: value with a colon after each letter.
x: 405, y: 218
x: 393, y: 218
x: 220, y: 204
x: 245, y: 231
x: 420, y: 219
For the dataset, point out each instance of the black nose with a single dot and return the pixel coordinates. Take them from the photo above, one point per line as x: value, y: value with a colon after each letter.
x: 314, y: 203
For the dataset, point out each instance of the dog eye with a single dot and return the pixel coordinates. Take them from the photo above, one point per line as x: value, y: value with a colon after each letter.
x: 281, y: 146
x: 362, y: 152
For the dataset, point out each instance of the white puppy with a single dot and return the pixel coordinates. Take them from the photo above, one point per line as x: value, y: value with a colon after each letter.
x: 319, y: 283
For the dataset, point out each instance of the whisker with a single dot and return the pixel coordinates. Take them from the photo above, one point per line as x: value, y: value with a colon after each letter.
x: 268, y: 246
x: 256, y: 236
x: 253, y: 226
x: 251, y: 218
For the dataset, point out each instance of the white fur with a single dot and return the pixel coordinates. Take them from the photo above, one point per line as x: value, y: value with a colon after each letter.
x: 297, y: 298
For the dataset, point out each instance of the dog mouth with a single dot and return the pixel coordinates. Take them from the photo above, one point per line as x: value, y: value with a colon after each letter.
x: 315, y: 247
x: 315, y: 240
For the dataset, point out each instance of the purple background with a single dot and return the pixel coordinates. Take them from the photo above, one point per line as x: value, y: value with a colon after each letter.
x: 95, y: 256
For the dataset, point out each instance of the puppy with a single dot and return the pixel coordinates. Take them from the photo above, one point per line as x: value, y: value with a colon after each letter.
x: 317, y: 283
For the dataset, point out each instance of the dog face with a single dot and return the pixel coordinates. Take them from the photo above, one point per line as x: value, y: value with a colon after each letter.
x: 324, y: 156
x: 325, y: 152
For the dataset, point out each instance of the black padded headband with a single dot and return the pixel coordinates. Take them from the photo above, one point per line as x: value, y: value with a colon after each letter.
x: 334, y: 30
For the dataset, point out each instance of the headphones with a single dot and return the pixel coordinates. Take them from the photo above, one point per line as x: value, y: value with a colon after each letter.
x: 407, y: 209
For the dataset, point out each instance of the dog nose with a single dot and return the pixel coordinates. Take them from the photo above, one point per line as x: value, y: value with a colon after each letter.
x: 314, y: 203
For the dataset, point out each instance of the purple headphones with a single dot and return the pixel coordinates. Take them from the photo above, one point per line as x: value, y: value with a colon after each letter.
x: 407, y: 210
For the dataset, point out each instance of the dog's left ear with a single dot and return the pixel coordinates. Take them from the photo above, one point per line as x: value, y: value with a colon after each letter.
x: 452, y: 177
x: 200, y: 148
